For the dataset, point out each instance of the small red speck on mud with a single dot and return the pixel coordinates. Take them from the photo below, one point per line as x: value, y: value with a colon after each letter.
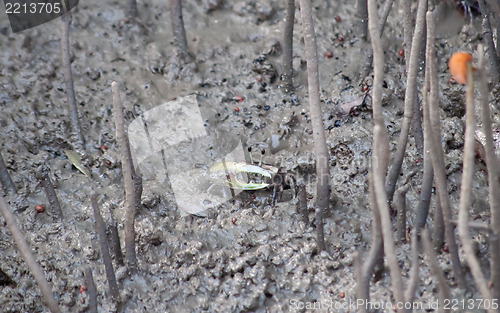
x: 342, y: 295
x: 365, y: 88
x: 83, y: 288
x: 237, y: 110
x: 416, y: 161
x: 401, y: 52
x: 91, y: 53
x: 238, y: 98
x: 40, y: 208
x: 340, y: 39
x: 104, y: 147
x: 337, y: 18
x: 233, y: 220
x: 259, y: 79
x: 445, y: 248
x: 329, y: 54
x: 452, y: 81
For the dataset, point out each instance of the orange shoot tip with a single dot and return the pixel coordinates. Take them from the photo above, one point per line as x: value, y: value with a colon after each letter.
x: 458, y: 66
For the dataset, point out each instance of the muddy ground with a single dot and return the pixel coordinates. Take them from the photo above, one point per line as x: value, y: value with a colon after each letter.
x: 246, y: 255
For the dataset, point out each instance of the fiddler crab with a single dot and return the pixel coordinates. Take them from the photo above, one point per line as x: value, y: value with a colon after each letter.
x: 260, y: 176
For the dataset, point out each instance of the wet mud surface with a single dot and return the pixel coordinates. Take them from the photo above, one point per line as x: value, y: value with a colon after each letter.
x: 246, y: 255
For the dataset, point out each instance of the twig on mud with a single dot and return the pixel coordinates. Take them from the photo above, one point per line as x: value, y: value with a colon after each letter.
x: 127, y: 168
x: 494, y: 257
x: 303, y: 211
x: 68, y: 80
x: 114, y: 240
x: 362, y: 16
x: 5, y: 180
x: 493, y: 174
x: 91, y: 289
x: 400, y: 204
x: 438, y: 155
x: 488, y: 37
x: 428, y: 177
x: 103, y: 242
x: 137, y: 178
x: 466, y: 190
x: 132, y: 8
x: 410, y: 99
x: 178, y: 29
x: 383, y: 16
x: 438, y: 233
x: 407, y: 32
x: 28, y: 257
x: 375, y: 255
x: 320, y: 149
x: 444, y: 289
x: 414, y: 278
x: 495, y: 6
x: 426, y: 189
x: 43, y: 175
x: 381, y: 154
x: 479, y: 226
x: 288, y: 45
x: 382, y: 21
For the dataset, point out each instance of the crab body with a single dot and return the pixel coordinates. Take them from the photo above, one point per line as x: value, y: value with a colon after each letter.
x: 261, y: 176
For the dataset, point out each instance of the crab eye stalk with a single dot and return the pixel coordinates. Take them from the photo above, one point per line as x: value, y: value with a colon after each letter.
x: 250, y: 153
x: 262, y: 152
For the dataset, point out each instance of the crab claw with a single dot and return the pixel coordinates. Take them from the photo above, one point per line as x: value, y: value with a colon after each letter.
x: 238, y: 184
x: 242, y: 167
x: 232, y: 169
